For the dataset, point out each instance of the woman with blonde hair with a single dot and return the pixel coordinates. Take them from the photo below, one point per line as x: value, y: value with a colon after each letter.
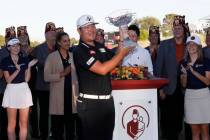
x: 195, y: 77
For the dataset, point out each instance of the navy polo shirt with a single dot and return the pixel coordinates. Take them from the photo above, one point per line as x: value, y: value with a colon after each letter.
x: 200, y: 67
x: 89, y: 82
x: 8, y: 65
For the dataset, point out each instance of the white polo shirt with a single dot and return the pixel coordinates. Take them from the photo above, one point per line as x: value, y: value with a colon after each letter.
x: 139, y: 56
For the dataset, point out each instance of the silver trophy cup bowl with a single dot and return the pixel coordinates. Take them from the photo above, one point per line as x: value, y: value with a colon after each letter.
x: 121, y: 19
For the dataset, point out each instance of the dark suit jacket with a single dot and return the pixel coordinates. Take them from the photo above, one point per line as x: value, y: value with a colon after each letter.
x: 41, y: 52
x: 206, y: 52
x: 166, y: 65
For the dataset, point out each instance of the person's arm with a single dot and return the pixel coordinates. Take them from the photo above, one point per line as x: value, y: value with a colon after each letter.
x: 160, y: 61
x: 28, y: 70
x: 205, y: 79
x: 1, y: 73
x: 159, y: 67
x: 149, y: 62
x: 33, y: 53
x: 65, y: 72
x: 10, y: 77
x: 104, y: 68
x: 183, y: 76
x: 49, y: 76
x: 38, y: 53
x: 28, y: 74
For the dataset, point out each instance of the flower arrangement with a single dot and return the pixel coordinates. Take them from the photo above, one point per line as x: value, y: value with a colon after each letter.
x: 130, y: 73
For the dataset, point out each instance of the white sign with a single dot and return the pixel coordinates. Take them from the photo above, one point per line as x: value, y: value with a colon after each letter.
x: 136, y: 114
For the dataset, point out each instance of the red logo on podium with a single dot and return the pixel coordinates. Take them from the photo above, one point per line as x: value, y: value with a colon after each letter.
x: 135, y: 120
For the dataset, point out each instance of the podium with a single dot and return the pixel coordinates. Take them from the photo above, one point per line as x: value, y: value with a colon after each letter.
x: 136, y: 111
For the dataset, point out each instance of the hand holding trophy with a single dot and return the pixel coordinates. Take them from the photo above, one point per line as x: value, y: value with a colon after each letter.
x: 121, y: 19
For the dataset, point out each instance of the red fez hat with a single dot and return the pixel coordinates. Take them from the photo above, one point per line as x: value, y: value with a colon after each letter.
x: 154, y: 30
x: 50, y: 26
x: 59, y: 29
x: 179, y: 20
x: 100, y: 31
x: 10, y: 32
x: 22, y: 30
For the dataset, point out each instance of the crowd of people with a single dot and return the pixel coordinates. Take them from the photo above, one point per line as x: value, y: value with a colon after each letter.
x: 65, y: 91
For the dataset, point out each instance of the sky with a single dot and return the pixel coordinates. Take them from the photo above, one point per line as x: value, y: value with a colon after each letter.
x: 64, y: 13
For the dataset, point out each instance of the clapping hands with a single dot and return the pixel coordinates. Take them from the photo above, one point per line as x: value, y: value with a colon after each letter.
x: 183, y: 69
x: 191, y: 68
x: 66, y: 71
x: 17, y: 67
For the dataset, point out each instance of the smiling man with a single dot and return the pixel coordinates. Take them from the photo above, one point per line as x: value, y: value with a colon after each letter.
x: 169, y: 54
x: 93, y: 63
x: 140, y: 56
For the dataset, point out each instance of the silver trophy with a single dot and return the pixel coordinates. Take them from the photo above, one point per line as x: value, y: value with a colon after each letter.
x: 121, y: 19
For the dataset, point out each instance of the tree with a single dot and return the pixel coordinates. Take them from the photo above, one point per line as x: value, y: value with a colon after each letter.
x: 166, y: 28
x: 145, y: 23
x: 144, y: 34
x: 2, y: 40
x: 74, y: 41
x: 34, y: 43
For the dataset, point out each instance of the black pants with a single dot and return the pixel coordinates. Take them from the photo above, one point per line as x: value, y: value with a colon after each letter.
x: 34, y: 109
x: 96, y: 118
x: 3, y: 121
x: 34, y: 116
x: 64, y: 126
x: 171, y: 115
x: 188, y: 132
x: 43, y: 100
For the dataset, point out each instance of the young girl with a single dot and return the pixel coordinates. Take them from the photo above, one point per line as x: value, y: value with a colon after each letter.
x: 195, y: 77
x: 17, y: 95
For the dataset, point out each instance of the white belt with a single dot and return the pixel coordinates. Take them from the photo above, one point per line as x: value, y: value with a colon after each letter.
x: 88, y: 96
